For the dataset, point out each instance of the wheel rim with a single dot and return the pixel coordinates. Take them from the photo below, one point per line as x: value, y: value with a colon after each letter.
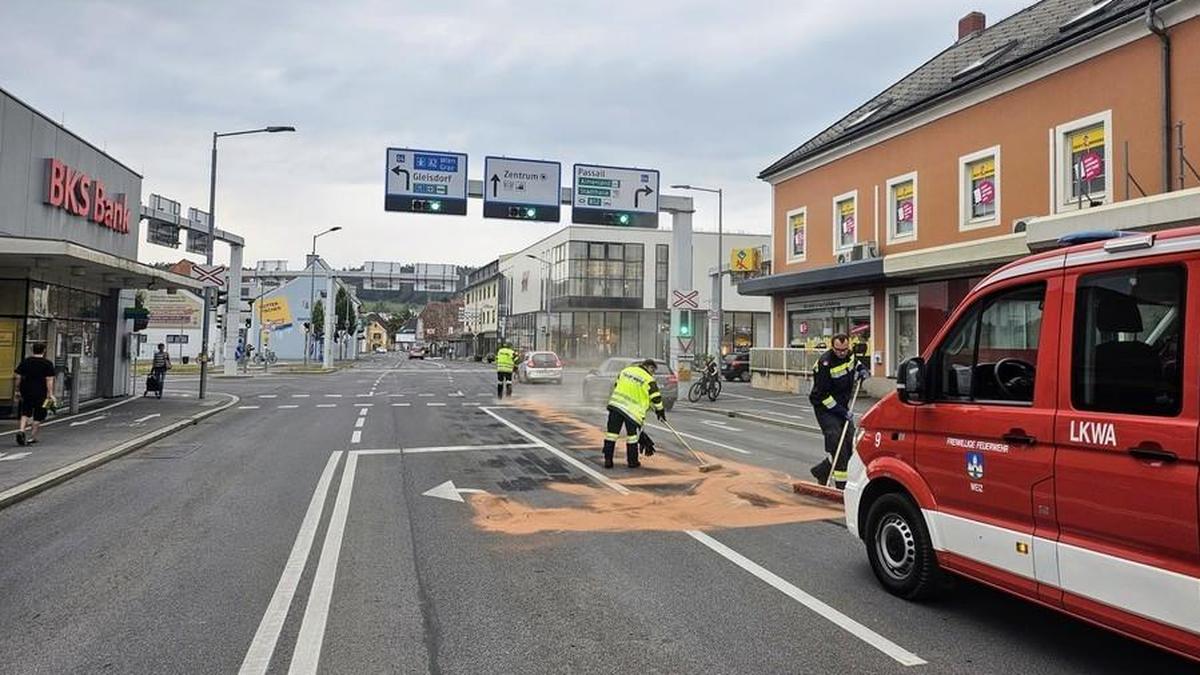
x: 896, y: 547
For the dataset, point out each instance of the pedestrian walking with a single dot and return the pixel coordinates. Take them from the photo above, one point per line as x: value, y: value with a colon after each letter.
x: 506, y: 361
x: 159, y: 368
x: 35, y: 389
x: 634, y: 393
x: 834, y: 377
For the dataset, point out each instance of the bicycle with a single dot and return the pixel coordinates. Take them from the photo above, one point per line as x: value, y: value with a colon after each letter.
x: 708, y: 385
x: 265, y: 356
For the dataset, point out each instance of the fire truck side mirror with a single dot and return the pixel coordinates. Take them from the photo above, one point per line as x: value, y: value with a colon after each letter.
x: 910, y: 381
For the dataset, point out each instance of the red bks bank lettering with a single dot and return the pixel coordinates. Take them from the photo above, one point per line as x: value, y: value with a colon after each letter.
x: 79, y: 194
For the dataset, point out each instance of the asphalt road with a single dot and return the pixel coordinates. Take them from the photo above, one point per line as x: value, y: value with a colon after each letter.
x: 294, y: 533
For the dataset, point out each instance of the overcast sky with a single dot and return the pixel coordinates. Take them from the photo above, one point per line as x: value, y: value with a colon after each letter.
x: 707, y: 91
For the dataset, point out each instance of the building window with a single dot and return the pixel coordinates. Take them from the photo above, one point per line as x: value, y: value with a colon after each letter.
x: 845, y: 221
x: 902, y: 328
x: 902, y: 207
x: 797, y: 228
x: 662, y: 262
x: 1082, y: 159
x: 979, y: 179
x: 605, y: 274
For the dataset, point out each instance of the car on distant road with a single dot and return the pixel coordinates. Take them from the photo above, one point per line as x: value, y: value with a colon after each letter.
x: 598, y: 383
x: 381, y: 350
x: 416, y: 352
x: 540, y: 367
x: 736, y: 366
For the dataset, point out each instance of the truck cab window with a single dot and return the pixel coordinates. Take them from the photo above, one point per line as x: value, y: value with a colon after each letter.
x: 991, y: 353
x: 1126, y: 353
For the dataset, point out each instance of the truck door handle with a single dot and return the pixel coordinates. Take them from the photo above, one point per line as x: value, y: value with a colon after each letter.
x: 1153, y: 452
x: 1019, y: 437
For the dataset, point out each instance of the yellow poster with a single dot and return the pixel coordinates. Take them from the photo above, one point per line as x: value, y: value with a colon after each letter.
x: 1087, y: 139
x: 743, y: 260
x: 8, y: 356
x: 983, y: 169
x: 274, y: 312
x: 847, y: 207
x: 904, y: 191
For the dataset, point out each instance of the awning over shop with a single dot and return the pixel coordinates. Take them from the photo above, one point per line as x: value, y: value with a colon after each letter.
x: 1157, y: 212
x: 833, y: 277
x: 63, y: 262
x: 977, y: 256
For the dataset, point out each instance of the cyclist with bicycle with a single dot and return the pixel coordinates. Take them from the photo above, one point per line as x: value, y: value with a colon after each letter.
x: 709, y: 383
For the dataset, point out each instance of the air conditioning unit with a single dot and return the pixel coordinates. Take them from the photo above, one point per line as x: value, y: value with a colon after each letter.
x: 863, y: 250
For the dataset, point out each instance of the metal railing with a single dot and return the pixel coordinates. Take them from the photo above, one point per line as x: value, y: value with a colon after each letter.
x: 783, y: 360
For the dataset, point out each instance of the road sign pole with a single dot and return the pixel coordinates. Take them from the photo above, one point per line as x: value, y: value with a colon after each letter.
x: 680, y: 265
x: 208, y: 257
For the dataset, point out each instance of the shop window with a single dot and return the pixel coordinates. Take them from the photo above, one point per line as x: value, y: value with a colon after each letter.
x: 979, y: 175
x: 797, y: 229
x: 902, y: 207
x: 845, y: 221
x: 991, y: 353
x: 902, y: 328
x: 1082, y: 166
x: 1127, y: 355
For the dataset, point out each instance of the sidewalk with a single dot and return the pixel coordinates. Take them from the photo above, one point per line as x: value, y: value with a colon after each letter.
x: 71, y: 444
x: 739, y: 400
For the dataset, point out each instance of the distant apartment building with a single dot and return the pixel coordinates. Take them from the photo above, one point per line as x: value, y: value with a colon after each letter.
x: 883, y: 221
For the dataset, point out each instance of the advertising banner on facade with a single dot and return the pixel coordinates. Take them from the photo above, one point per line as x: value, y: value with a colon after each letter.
x: 173, y: 310
x: 275, y: 313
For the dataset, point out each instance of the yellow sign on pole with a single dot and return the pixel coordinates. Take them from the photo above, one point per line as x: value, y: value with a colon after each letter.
x: 743, y: 260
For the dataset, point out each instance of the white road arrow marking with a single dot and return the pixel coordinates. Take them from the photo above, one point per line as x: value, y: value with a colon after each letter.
x: 457, y: 394
x: 94, y: 419
x: 7, y: 457
x: 720, y: 425
x: 448, y: 492
x: 147, y: 417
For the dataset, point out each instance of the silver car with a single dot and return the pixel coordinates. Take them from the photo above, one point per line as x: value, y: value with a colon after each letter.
x: 598, y: 383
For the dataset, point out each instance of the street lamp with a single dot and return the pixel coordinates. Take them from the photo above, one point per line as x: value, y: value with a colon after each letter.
x: 545, y: 288
x: 312, y: 282
x: 720, y: 257
x: 208, y: 258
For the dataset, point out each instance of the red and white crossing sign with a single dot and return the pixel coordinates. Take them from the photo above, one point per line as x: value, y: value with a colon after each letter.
x: 685, y: 346
x: 210, y: 275
x: 681, y: 299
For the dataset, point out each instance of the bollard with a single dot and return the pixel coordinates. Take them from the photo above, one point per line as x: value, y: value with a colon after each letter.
x: 74, y: 385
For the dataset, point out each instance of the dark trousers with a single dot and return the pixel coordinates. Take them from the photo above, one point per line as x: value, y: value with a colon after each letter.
x: 503, y: 384
x: 612, y: 430
x: 831, y: 428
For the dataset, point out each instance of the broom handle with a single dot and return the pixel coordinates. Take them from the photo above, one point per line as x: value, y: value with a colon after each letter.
x: 685, y: 443
x: 837, y: 454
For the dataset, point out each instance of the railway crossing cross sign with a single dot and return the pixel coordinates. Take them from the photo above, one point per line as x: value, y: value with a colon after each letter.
x: 685, y: 299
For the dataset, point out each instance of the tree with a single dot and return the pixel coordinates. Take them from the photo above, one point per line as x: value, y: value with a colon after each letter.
x: 346, y: 320
x: 318, y: 318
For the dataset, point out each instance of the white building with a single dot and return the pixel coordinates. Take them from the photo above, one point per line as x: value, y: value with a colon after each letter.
x: 608, y: 293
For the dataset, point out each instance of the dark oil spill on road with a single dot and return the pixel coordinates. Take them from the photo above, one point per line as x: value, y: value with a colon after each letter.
x: 668, y: 494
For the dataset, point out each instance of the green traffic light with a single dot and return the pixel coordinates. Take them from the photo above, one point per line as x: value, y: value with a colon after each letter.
x: 530, y: 213
x: 623, y: 219
x: 685, y: 330
x: 435, y: 206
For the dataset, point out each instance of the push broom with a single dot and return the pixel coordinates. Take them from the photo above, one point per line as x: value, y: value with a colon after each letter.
x: 837, y: 454
x: 705, y: 465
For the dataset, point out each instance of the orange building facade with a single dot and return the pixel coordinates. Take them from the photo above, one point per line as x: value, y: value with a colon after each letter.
x: 883, y: 222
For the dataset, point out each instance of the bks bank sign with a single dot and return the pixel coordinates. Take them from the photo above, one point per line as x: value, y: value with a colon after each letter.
x: 81, y: 195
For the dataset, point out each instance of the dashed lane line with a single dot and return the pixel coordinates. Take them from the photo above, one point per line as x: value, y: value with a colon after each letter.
x: 694, y: 437
x: 433, y: 404
x: 326, y: 405
x: 358, y: 423
x: 401, y: 405
x: 247, y: 407
x: 288, y: 407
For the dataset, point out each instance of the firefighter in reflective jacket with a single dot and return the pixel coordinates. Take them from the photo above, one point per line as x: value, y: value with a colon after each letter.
x: 506, y: 360
x: 834, y: 378
x: 634, y: 393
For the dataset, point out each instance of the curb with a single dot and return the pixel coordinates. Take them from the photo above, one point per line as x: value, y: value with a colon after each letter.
x: 819, y: 491
x: 49, y: 480
x: 759, y: 418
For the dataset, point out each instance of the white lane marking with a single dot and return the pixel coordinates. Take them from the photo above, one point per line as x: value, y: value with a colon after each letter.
x: 65, y: 417
x: 560, y: 454
x: 474, y: 404
x: 362, y: 395
x: 401, y: 405
x: 307, y: 654
x: 767, y: 400
x: 333, y: 395
x: 363, y: 405
x: 358, y: 423
x: 288, y: 407
x: 356, y: 437
x: 301, y: 395
x: 889, y: 648
x: 396, y: 395
x: 362, y: 412
x: 457, y: 394
x: 425, y: 395
x: 258, y: 657
x: 247, y: 407
x: 431, y: 403
x: 326, y: 405
x: 719, y: 424
x: 706, y: 440
x: 147, y: 417
x: 268, y: 396
x: 12, y: 456
x: 97, y: 418
x: 447, y: 448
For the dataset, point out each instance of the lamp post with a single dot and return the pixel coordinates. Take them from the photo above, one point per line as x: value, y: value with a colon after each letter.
x: 208, y: 257
x: 720, y: 261
x: 312, y: 282
x: 545, y: 299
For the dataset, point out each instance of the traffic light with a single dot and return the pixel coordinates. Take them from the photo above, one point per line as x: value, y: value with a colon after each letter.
x: 222, y: 297
x: 618, y: 218
x: 427, y: 205
x: 685, y: 323
x: 249, y: 322
x: 522, y: 212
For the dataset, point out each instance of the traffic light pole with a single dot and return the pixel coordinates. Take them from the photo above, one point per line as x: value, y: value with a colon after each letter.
x: 233, y: 310
x: 680, y: 266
